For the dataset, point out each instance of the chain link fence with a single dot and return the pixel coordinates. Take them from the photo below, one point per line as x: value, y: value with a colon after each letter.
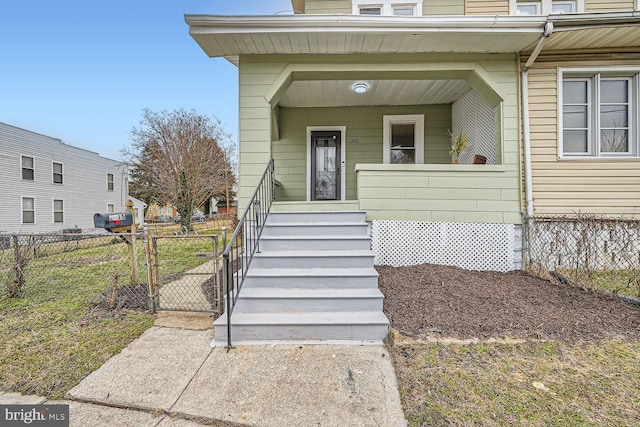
x: 36, y: 264
x: 594, y: 252
x: 116, y: 271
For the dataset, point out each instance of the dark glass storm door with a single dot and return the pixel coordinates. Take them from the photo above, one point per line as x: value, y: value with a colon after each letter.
x: 325, y: 165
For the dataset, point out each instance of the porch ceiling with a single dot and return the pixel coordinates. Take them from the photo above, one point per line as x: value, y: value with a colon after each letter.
x: 230, y: 36
x: 333, y: 93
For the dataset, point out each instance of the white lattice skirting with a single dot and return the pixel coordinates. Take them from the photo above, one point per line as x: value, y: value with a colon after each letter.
x: 468, y: 245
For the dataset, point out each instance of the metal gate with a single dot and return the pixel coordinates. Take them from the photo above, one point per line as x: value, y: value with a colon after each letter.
x: 184, y: 273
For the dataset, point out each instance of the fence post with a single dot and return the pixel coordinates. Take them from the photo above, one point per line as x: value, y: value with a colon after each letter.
x: 133, y: 252
x: 150, y: 278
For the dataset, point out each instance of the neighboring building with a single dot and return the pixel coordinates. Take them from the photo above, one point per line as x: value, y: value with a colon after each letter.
x: 50, y: 186
x: 138, y: 209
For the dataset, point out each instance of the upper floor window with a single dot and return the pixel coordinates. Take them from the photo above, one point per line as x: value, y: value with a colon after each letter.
x: 403, y: 139
x: 27, y: 168
x: 599, y: 114
x: 110, y: 185
x: 57, y: 173
x: 387, y: 7
x: 545, y: 7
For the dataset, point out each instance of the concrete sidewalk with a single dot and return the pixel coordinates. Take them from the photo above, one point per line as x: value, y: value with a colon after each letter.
x: 172, y: 377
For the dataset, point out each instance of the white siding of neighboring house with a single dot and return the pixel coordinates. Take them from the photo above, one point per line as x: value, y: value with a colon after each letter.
x: 83, y: 191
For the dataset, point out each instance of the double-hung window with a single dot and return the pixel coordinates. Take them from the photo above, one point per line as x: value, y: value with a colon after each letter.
x: 403, y: 139
x: 110, y: 184
x: 57, y: 173
x: 27, y: 168
x: 545, y: 7
x: 598, y: 113
x: 28, y: 210
x: 387, y: 7
x: 58, y: 211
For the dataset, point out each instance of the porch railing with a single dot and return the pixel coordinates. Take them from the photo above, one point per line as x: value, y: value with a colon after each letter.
x: 245, y: 242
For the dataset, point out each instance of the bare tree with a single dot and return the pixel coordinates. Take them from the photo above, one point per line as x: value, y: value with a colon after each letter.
x: 180, y: 158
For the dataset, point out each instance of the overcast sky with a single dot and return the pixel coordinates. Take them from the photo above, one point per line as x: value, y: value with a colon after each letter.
x: 83, y: 70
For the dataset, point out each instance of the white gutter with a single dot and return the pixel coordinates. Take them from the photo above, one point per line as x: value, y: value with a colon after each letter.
x: 524, y: 81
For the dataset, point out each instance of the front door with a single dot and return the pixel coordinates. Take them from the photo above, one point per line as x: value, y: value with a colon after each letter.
x: 325, y: 165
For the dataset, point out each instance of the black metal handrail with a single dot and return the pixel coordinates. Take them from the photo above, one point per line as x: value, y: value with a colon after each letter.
x: 237, y: 257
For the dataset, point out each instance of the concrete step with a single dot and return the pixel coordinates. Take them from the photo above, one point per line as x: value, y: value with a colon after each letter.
x: 312, y: 217
x: 314, y: 243
x: 355, y: 327
x: 315, y: 229
x: 260, y: 299
x: 313, y: 259
x: 326, y: 278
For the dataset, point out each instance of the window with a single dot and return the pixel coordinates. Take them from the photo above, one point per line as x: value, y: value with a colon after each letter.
x: 528, y: 8
x: 110, y: 185
x: 403, y: 139
x: 563, y: 7
x: 57, y: 173
x: 58, y: 211
x: 387, y: 7
x: 111, y: 207
x: 27, y: 168
x: 545, y: 7
x: 370, y: 11
x: 28, y: 210
x: 599, y: 117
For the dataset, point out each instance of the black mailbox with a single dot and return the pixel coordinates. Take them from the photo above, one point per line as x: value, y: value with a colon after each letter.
x: 113, y: 221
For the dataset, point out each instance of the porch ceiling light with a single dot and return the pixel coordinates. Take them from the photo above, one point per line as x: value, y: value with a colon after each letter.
x: 360, y: 87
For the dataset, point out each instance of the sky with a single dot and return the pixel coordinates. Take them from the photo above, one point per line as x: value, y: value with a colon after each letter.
x: 82, y: 71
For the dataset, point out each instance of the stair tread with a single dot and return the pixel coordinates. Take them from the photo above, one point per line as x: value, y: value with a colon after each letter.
x: 306, y: 252
x: 310, y: 272
x: 307, y: 318
x: 313, y: 223
x: 316, y: 237
x: 259, y: 292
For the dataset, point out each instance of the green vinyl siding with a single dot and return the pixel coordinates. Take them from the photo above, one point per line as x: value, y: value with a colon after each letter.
x: 363, y: 140
x: 456, y: 193
x: 443, y: 7
x: 327, y: 7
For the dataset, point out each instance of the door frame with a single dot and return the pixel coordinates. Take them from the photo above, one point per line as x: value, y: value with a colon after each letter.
x: 343, y: 158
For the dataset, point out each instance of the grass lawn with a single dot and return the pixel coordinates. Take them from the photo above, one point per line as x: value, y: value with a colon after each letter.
x: 53, y: 336
x: 529, y: 384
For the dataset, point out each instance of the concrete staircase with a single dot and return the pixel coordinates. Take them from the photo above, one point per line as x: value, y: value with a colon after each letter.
x: 312, y: 282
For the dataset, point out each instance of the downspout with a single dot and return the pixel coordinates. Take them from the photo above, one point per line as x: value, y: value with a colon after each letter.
x: 526, y: 134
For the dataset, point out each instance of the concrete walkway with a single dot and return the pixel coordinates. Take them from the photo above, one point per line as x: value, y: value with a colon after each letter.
x: 171, y: 376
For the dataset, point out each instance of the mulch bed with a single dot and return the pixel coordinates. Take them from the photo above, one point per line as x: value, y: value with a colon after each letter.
x: 438, y: 300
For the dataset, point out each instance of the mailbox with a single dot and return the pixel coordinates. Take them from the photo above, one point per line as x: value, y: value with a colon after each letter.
x: 113, y: 221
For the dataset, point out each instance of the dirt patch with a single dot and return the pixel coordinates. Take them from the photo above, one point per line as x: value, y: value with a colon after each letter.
x: 428, y: 300
x: 131, y: 297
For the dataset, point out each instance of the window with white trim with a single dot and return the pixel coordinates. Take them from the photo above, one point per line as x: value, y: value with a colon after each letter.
x: 545, y: 7
x: 58, y: 211
x: 110, y: 185
x: 27, y: 168
x: 28, y: 210
x: 598, y: 113
x: 387, y: 7
x: 111, y: 207
x: 57, y: 173
x: 403, y: 139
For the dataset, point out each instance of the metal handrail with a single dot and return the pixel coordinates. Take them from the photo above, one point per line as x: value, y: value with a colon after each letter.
x: 237, y: 258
